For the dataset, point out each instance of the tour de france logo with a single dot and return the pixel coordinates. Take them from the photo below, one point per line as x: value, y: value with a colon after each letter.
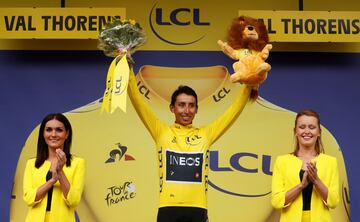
x: 119, y: 193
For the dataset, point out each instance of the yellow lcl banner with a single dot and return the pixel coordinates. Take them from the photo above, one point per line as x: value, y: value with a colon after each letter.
x: 85, y: 23
x: 55, y: 23
x: 116, y: 85
x: 310, y: 26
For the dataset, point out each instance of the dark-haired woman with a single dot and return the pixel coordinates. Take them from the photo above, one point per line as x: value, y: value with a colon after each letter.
x: 54, y: 180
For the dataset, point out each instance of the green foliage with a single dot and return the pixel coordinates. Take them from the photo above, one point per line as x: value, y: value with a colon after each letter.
x: 120, y: 37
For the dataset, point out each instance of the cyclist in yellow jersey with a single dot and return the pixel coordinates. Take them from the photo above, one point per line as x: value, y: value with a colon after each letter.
x: 183, y: 151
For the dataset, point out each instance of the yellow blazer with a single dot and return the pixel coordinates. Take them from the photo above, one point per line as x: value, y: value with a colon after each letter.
x: 62, y: 209
x: 286, y: 176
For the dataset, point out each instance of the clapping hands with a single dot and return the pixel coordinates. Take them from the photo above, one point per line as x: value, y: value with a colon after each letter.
x: 58, y: 164
x: 61, y: 159
x: 310, y: 174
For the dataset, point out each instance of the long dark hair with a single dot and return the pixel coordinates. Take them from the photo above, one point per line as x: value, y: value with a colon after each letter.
x: 318, y: 145
x: 42, y: 148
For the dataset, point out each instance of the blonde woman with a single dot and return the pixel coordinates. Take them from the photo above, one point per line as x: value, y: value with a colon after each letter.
x: 305, y: 183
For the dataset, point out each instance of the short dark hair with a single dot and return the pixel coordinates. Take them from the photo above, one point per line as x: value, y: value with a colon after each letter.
x: 186, y: 90
x: 42, y: 147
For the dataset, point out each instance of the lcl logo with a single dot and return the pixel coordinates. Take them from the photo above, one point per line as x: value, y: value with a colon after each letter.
x: 178, y: 17
x: 236, y: 165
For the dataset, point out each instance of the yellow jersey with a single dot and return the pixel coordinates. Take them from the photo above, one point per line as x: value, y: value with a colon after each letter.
x: 183, y: 151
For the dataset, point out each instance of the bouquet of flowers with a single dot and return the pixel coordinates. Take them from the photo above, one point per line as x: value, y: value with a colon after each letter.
x: 120, y: 37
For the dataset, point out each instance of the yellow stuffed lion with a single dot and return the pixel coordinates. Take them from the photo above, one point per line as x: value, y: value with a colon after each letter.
x: 248, y: 43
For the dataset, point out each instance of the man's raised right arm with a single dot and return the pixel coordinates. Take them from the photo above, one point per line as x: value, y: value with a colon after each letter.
x: 147, y: 116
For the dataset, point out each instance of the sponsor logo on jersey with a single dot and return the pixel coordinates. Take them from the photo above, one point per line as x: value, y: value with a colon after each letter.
x: 193, y: 140
x: 184, y: 167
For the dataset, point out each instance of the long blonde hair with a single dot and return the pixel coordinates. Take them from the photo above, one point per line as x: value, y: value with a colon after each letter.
x: 318, y: 144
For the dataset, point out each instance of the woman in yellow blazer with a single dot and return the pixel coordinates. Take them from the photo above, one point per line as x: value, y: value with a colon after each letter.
x: 305, y: 183
x: 54, y: 180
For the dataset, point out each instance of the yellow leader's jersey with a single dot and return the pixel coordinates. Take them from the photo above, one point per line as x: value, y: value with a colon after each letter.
x: 183, y: 151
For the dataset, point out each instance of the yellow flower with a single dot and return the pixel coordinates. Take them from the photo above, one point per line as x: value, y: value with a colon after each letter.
x: 132, y: 21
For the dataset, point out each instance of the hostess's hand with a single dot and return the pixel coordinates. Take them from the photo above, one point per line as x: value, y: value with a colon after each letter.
x: 305, y: 180
x: 314, y: 178
x: 61, y: 159
x: 53, y: 169
x: 312, y: 172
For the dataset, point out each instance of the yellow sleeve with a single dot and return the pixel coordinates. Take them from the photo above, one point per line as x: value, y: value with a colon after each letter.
x: 222, y: 123
x: 278, y: 189
x: 76, y: 184
x: 149, y: 119
x: 333, y: 187
x: 29, y: 190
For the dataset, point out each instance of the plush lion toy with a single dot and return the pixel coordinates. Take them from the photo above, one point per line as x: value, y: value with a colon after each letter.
x: 248, y: 43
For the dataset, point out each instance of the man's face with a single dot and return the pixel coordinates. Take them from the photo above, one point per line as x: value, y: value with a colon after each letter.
x: 184, y: 109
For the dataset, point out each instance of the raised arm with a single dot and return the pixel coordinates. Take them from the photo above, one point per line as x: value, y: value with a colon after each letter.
x: 151, y: 122
x: 222, y: 123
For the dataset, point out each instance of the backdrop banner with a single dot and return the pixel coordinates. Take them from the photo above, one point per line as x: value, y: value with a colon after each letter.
x: 55, y: 23
x: 121, y: 158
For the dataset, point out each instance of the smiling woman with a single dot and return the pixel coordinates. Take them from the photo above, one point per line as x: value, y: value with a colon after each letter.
x: 297, y: 175
x: 54, y: 180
